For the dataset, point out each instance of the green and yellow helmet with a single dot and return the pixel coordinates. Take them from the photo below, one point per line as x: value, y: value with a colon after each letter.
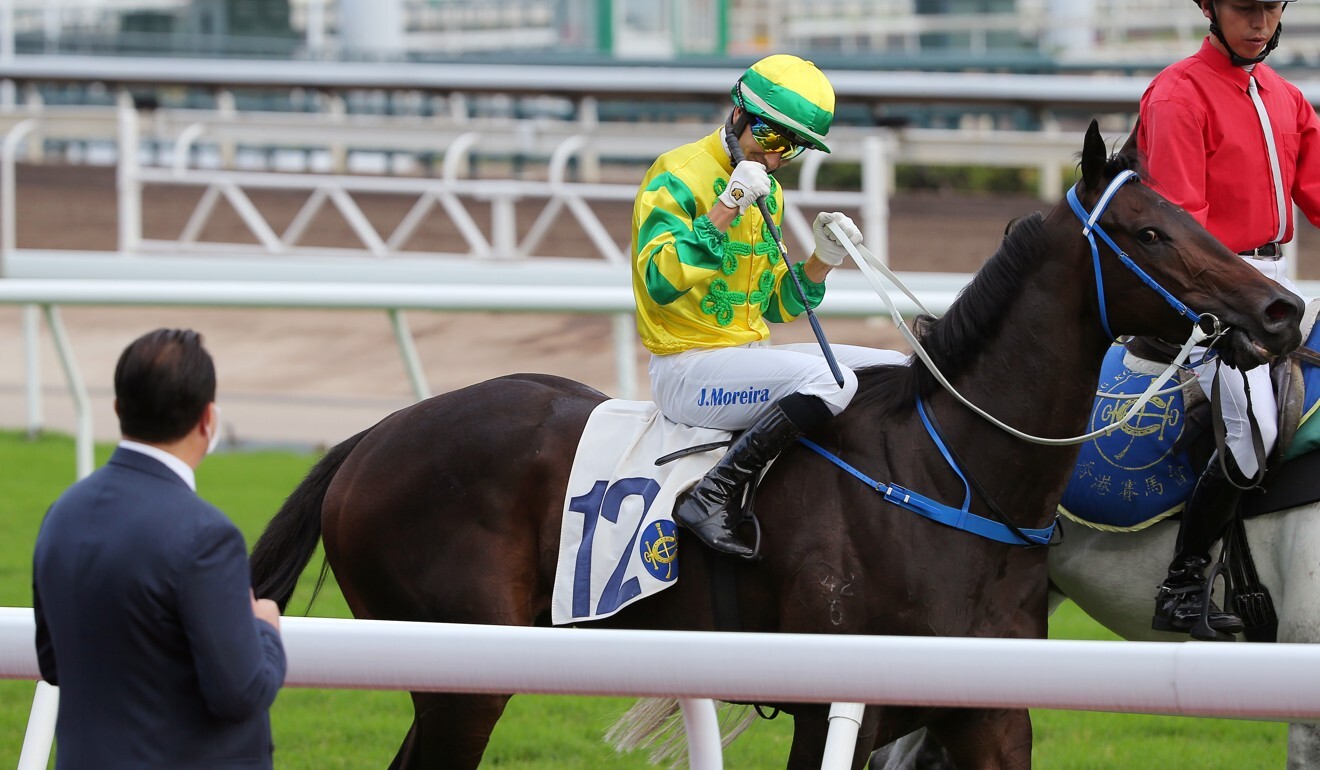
x: 790, y: 92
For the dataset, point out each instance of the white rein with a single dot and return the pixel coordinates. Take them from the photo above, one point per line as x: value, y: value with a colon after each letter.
x: 872, y: 268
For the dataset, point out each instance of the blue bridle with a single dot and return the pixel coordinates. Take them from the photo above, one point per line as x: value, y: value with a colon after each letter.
x: 1091, y: 228
x: 962, y: 517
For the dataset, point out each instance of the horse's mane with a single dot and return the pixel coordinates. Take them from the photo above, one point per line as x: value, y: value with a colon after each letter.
x: 956, y: 339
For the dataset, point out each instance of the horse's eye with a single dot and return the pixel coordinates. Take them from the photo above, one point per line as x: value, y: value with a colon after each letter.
x: 1148, y: 236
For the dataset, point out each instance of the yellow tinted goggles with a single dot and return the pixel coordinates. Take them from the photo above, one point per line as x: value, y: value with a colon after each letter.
x: 774, y: 139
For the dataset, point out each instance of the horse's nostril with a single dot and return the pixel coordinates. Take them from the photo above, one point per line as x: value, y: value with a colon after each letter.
x: 1281, y: 310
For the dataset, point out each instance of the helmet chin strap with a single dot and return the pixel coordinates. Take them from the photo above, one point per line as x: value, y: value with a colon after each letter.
x: 735, y: 128
x: 1237, y: 59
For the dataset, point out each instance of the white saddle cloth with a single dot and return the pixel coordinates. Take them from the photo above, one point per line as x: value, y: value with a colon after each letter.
x: 617, y: 540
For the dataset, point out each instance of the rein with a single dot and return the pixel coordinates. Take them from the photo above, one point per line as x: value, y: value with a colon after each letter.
x: 870, y: 266
x: 1004, y: 531
x: 958, y: 518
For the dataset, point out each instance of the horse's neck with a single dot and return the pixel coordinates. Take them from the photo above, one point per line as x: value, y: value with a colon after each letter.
x: 1037, y: 375
x: 1039, y: 371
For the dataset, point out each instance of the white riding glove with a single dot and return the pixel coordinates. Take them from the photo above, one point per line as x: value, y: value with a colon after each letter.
x: 748, y: 182
x: 828, y: 248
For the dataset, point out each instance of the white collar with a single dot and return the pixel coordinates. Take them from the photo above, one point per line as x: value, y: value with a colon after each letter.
x: 170, y: 461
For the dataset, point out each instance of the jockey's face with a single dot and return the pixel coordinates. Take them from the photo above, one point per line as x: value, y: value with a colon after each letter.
x: 1247, y: 25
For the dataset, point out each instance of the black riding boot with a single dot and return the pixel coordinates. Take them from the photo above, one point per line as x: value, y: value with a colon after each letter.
x: 1185, y: 593
x: 704, y: 509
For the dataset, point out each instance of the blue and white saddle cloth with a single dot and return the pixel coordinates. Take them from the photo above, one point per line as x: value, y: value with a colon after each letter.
x: 1131, y: 478
x: 617, y: 541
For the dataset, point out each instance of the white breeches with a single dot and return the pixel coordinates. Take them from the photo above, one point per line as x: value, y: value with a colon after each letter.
x: 1233, y: 394
x: 729, y: 388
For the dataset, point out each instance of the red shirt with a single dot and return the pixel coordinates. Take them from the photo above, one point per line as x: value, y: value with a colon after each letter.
x: 1205, y: 150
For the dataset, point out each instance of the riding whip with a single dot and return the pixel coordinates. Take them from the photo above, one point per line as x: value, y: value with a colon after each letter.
x: 736, y: 154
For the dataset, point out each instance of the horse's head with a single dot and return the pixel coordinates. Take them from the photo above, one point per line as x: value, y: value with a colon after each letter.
x: 1178, y: 254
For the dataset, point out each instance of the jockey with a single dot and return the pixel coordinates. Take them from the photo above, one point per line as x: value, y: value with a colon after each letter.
x: 707, y: 275
x: 1235, y: 145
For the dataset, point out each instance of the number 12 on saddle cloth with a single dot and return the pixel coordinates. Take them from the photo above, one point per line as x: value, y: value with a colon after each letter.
x: 617, y: 542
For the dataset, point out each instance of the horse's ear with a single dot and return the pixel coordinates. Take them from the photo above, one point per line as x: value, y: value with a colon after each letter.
x: 1093, y: 157
x: 1130, y: 146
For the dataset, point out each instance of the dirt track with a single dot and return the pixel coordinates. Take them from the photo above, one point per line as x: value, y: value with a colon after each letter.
x: 316, y: 377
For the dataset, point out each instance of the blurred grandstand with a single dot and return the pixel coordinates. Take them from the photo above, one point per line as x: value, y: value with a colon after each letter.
x: 1018, y: 35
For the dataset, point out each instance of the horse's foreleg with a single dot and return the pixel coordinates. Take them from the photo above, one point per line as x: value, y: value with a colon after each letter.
x: 986, y: 739
x: 810, y: 727
x: 449, y: 732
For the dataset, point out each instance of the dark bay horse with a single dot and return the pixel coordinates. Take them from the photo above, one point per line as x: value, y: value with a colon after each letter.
x: 450, y: 510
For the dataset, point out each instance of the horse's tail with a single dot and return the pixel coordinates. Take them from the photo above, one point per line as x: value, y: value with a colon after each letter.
x: 290, y: 538
x: 655, y: 724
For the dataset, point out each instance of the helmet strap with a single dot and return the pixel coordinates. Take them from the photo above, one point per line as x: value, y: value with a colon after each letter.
x: 1237, y: 59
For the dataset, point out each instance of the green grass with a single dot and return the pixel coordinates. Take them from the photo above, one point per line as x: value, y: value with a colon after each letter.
x: 357, y: 729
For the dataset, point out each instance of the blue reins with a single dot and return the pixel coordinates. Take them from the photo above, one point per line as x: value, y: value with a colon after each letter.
x: 958, y: 518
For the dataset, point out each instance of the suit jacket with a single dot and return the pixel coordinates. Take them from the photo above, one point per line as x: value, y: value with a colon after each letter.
x: 144, y: 621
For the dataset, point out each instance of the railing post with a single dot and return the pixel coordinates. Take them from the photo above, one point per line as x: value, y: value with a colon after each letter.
x: 337, y: 109
x: 841, y: 740
x: 32, y: 368
x: 412, y: 363
x: 36, y: 146
x: 875, y: 191
x: 82, y: 405
x: 129, y: 184
x: 625, y: 355
x: 40, y: 733
x: 9, y: 191
x: 588, y: 158
x: 702, y: 725
x: 227, y: 110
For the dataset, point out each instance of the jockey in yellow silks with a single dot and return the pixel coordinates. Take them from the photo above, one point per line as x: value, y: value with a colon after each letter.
x: 708, y: 276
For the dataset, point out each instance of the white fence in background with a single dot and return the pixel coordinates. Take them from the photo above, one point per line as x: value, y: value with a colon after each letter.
x: 1267, y: 682
x: 184, y: 147
x: 494, y: 255
x: 485, y: 293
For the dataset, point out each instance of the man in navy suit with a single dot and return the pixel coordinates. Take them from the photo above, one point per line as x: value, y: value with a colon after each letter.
x: 144, y: 607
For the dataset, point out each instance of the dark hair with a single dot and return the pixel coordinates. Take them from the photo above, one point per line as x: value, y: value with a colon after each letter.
x: 164, y: 381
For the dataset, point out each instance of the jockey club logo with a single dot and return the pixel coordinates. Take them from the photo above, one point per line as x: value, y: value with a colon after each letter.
x: 659, y: 550
x: 1149, y: 438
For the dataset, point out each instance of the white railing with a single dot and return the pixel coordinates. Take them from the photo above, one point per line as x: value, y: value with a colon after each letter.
x: 553, y: 144
x: 1266, y: 682
x: 590, y: 295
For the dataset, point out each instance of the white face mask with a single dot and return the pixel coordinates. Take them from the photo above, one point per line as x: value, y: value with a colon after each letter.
x: 215, y: 432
